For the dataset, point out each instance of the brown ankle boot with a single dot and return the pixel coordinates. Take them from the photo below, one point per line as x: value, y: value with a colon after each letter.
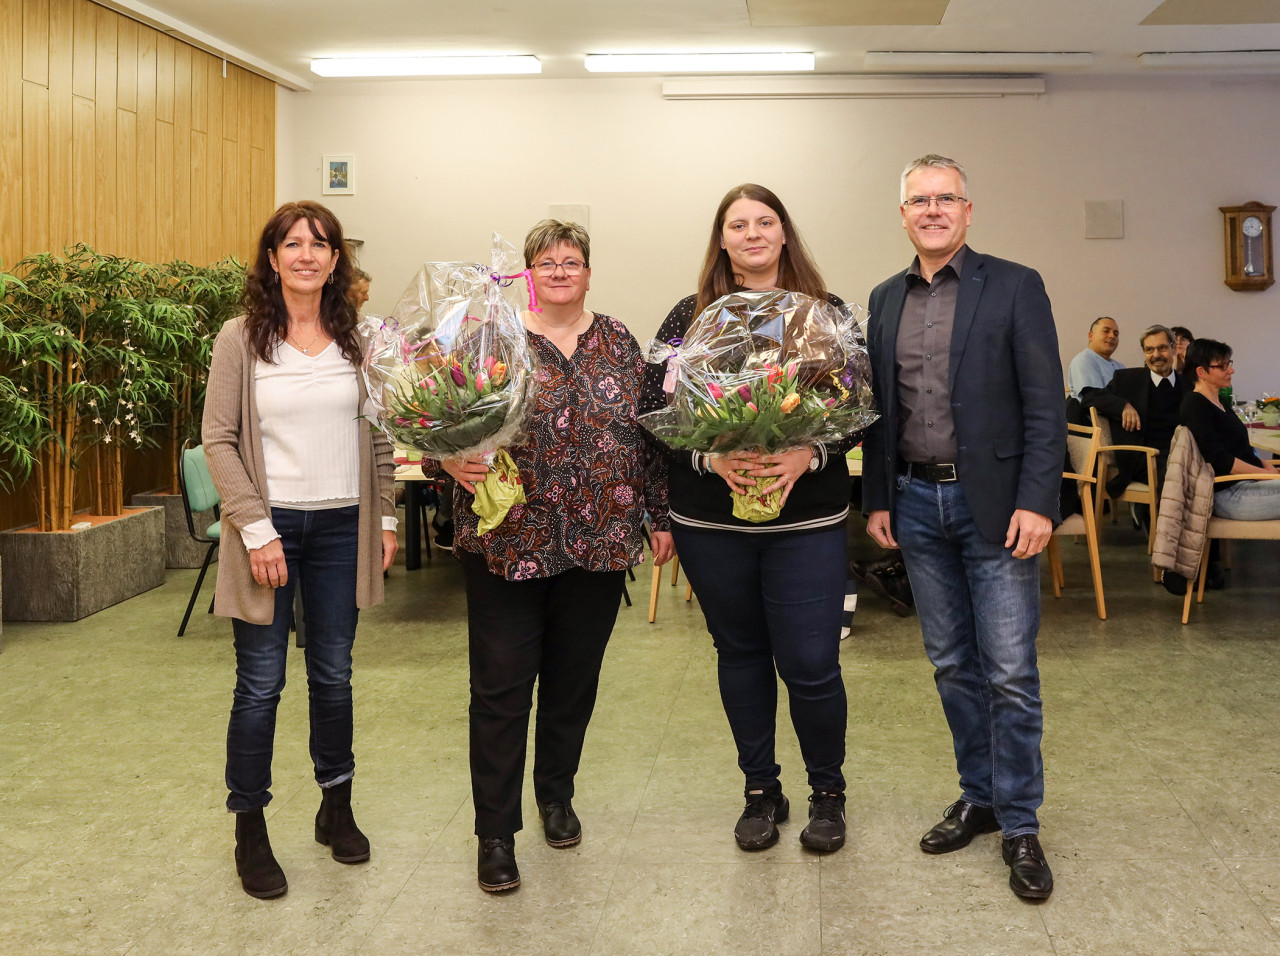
x: 336, y: 825
x: 260, y: 874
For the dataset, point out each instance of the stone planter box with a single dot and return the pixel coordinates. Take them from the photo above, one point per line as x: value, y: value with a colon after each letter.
x: 68, y: 575
x: 180, y: 551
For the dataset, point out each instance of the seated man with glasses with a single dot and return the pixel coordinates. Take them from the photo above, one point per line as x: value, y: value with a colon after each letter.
x: 1142, y: 404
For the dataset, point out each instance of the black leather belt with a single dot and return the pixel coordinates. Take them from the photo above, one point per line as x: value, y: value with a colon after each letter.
x: 929, y: 471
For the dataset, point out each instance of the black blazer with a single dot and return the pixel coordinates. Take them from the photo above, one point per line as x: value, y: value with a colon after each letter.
x: 1130, y: 386
x: 1006, y: 394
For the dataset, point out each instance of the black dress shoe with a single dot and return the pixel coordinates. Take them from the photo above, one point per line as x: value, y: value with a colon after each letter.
x: 560, y: 825
x: 757, y: 828
x: 496, y: 865
x: 1029, y: 874
x: 961, y: 822
x: 1174, y: 583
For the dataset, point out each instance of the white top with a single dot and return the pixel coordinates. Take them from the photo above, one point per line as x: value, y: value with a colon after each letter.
x: 307, y: 411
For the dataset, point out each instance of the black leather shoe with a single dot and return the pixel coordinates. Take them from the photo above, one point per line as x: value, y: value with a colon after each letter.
x: 1029, y: 874
x: 961, y: 822
x: 496, y: 867
x: 560, y: 825
x: 1174, y: 583
x: 757, y: 828
x: 825, y: 832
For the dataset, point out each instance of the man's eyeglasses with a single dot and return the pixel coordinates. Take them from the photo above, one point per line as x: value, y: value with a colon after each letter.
x: 548, y: 267
x: 1223, y: 365
x: 945, y: 201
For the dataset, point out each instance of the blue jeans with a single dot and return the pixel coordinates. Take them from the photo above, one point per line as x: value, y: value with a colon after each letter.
x: 979, y: 612
x: 774, y: 600
x: 1248, y: 500
x: 320, y: 548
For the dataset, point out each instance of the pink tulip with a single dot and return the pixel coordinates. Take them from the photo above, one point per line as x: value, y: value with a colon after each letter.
x: 481, y: 381
x: 791, y: 369
x: 715, y: 391
x: 752, y: 406
x: 489, y: 363
x: 459, y: 378
x: 424, y: 422
x: 744, y: 392
x: 431, y: 385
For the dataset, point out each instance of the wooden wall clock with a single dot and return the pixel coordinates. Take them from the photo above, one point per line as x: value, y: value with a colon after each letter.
x: 1247, y: 234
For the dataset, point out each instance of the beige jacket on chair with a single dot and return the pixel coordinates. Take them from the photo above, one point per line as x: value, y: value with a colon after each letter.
x: 1186, y: 504
x: 233, y: 450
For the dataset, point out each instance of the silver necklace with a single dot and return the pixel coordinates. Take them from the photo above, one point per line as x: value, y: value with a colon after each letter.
x: 306, y: 349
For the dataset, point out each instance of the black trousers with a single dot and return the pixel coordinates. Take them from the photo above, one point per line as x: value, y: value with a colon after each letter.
x: 552, y: 631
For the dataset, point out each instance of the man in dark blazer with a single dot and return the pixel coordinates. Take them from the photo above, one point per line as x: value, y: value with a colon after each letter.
x: 962, y: 472
x: 1142, y: 405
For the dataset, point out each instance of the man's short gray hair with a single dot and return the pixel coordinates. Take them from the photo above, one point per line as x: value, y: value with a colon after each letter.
x: 934, y: 161
x: 1153, y: 329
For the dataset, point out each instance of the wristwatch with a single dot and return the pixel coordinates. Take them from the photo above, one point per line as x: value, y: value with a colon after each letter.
x: 814, y: 461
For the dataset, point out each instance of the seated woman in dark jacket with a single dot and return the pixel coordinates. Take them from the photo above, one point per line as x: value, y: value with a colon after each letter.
x: 1223, y: 440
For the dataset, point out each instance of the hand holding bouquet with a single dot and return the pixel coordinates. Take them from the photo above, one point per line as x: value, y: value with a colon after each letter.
x: 451, y: 374
x: 764, y: 372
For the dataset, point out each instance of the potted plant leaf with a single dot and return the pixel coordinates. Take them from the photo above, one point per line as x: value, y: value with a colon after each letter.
x: 90, y: 349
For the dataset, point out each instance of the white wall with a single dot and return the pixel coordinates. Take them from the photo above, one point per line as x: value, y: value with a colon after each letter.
x: 441, y: 164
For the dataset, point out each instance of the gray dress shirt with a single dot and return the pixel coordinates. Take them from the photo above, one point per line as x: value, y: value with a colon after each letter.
x: 927, y: 432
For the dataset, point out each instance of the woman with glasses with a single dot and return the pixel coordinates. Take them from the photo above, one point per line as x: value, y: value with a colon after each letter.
x: 1223, y: 439
x: 543, y: 587
x: 307, y: 501
x: 773, y: 592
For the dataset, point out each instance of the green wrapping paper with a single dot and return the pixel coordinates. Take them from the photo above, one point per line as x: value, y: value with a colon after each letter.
x: 500, y: 491
x: 758, y: 508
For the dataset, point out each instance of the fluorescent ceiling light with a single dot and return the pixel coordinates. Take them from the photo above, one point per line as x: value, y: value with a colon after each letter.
x: 947, y: 62
x: 1213, y: 60
x: 425, y: 65
x: 698, y: 62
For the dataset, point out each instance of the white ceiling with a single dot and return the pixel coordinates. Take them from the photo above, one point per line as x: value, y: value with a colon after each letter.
x: 282, y: 37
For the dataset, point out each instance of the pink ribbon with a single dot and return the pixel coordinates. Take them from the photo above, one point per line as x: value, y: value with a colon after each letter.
x: 528, y: 278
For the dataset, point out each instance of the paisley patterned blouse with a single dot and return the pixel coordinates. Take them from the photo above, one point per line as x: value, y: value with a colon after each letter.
x: 589, y: 470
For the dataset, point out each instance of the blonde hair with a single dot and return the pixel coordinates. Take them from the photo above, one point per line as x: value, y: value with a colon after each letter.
x: 553, y: 232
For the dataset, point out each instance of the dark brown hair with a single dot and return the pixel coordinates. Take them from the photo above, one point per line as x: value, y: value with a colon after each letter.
x: 266, y: 316
x: 796, y: 271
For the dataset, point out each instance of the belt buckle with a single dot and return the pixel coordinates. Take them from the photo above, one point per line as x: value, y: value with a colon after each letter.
x: 944, y: 469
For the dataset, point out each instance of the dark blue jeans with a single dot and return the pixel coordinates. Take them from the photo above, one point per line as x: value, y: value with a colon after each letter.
x: 320, y: 548
x: 979, y: 612
x: 774, y: 600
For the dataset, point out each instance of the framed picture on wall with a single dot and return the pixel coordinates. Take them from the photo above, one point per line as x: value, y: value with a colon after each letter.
x: 338, y: 176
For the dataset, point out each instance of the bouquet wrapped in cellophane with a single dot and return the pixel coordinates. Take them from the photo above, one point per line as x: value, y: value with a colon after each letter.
x: 450, y: 371
x: 765, y: 372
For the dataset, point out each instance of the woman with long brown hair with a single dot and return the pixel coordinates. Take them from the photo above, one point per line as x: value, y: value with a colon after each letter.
x: 772, y: 592
x: 307, y: 501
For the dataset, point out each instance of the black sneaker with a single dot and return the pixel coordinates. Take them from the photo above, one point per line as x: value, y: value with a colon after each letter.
x: 444, y: 534
x: 757, y: 828
x: 825, y: 832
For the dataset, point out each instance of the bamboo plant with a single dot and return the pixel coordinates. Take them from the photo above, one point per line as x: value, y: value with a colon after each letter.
x: 100, y: 342
x: 214, y: 293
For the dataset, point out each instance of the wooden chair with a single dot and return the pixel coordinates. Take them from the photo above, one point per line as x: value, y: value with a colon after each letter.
x: 654, y: 588
x: 1083, y: 442
x: 1138, y: 492
x: 1226, y: 529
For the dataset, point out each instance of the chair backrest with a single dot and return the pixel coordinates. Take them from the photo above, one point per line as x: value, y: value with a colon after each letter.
x: 1082, y: 449
x: 1103, y: 424
x: 198, y: 491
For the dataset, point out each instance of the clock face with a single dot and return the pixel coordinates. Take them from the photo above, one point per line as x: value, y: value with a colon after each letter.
x: 1252, y: 227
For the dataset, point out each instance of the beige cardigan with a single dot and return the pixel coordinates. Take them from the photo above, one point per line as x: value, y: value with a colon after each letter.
x: 1186, y: 504
x: 233, y: 449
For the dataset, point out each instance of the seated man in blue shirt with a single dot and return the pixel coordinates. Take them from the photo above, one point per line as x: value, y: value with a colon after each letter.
x: 1094, y: 366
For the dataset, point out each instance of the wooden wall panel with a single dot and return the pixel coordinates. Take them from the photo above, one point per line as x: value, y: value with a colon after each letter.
x: 85, y: 18
x: 61, y: 181
x: 10, y: 131
x: 35, y: 41
x: 114, y: 134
